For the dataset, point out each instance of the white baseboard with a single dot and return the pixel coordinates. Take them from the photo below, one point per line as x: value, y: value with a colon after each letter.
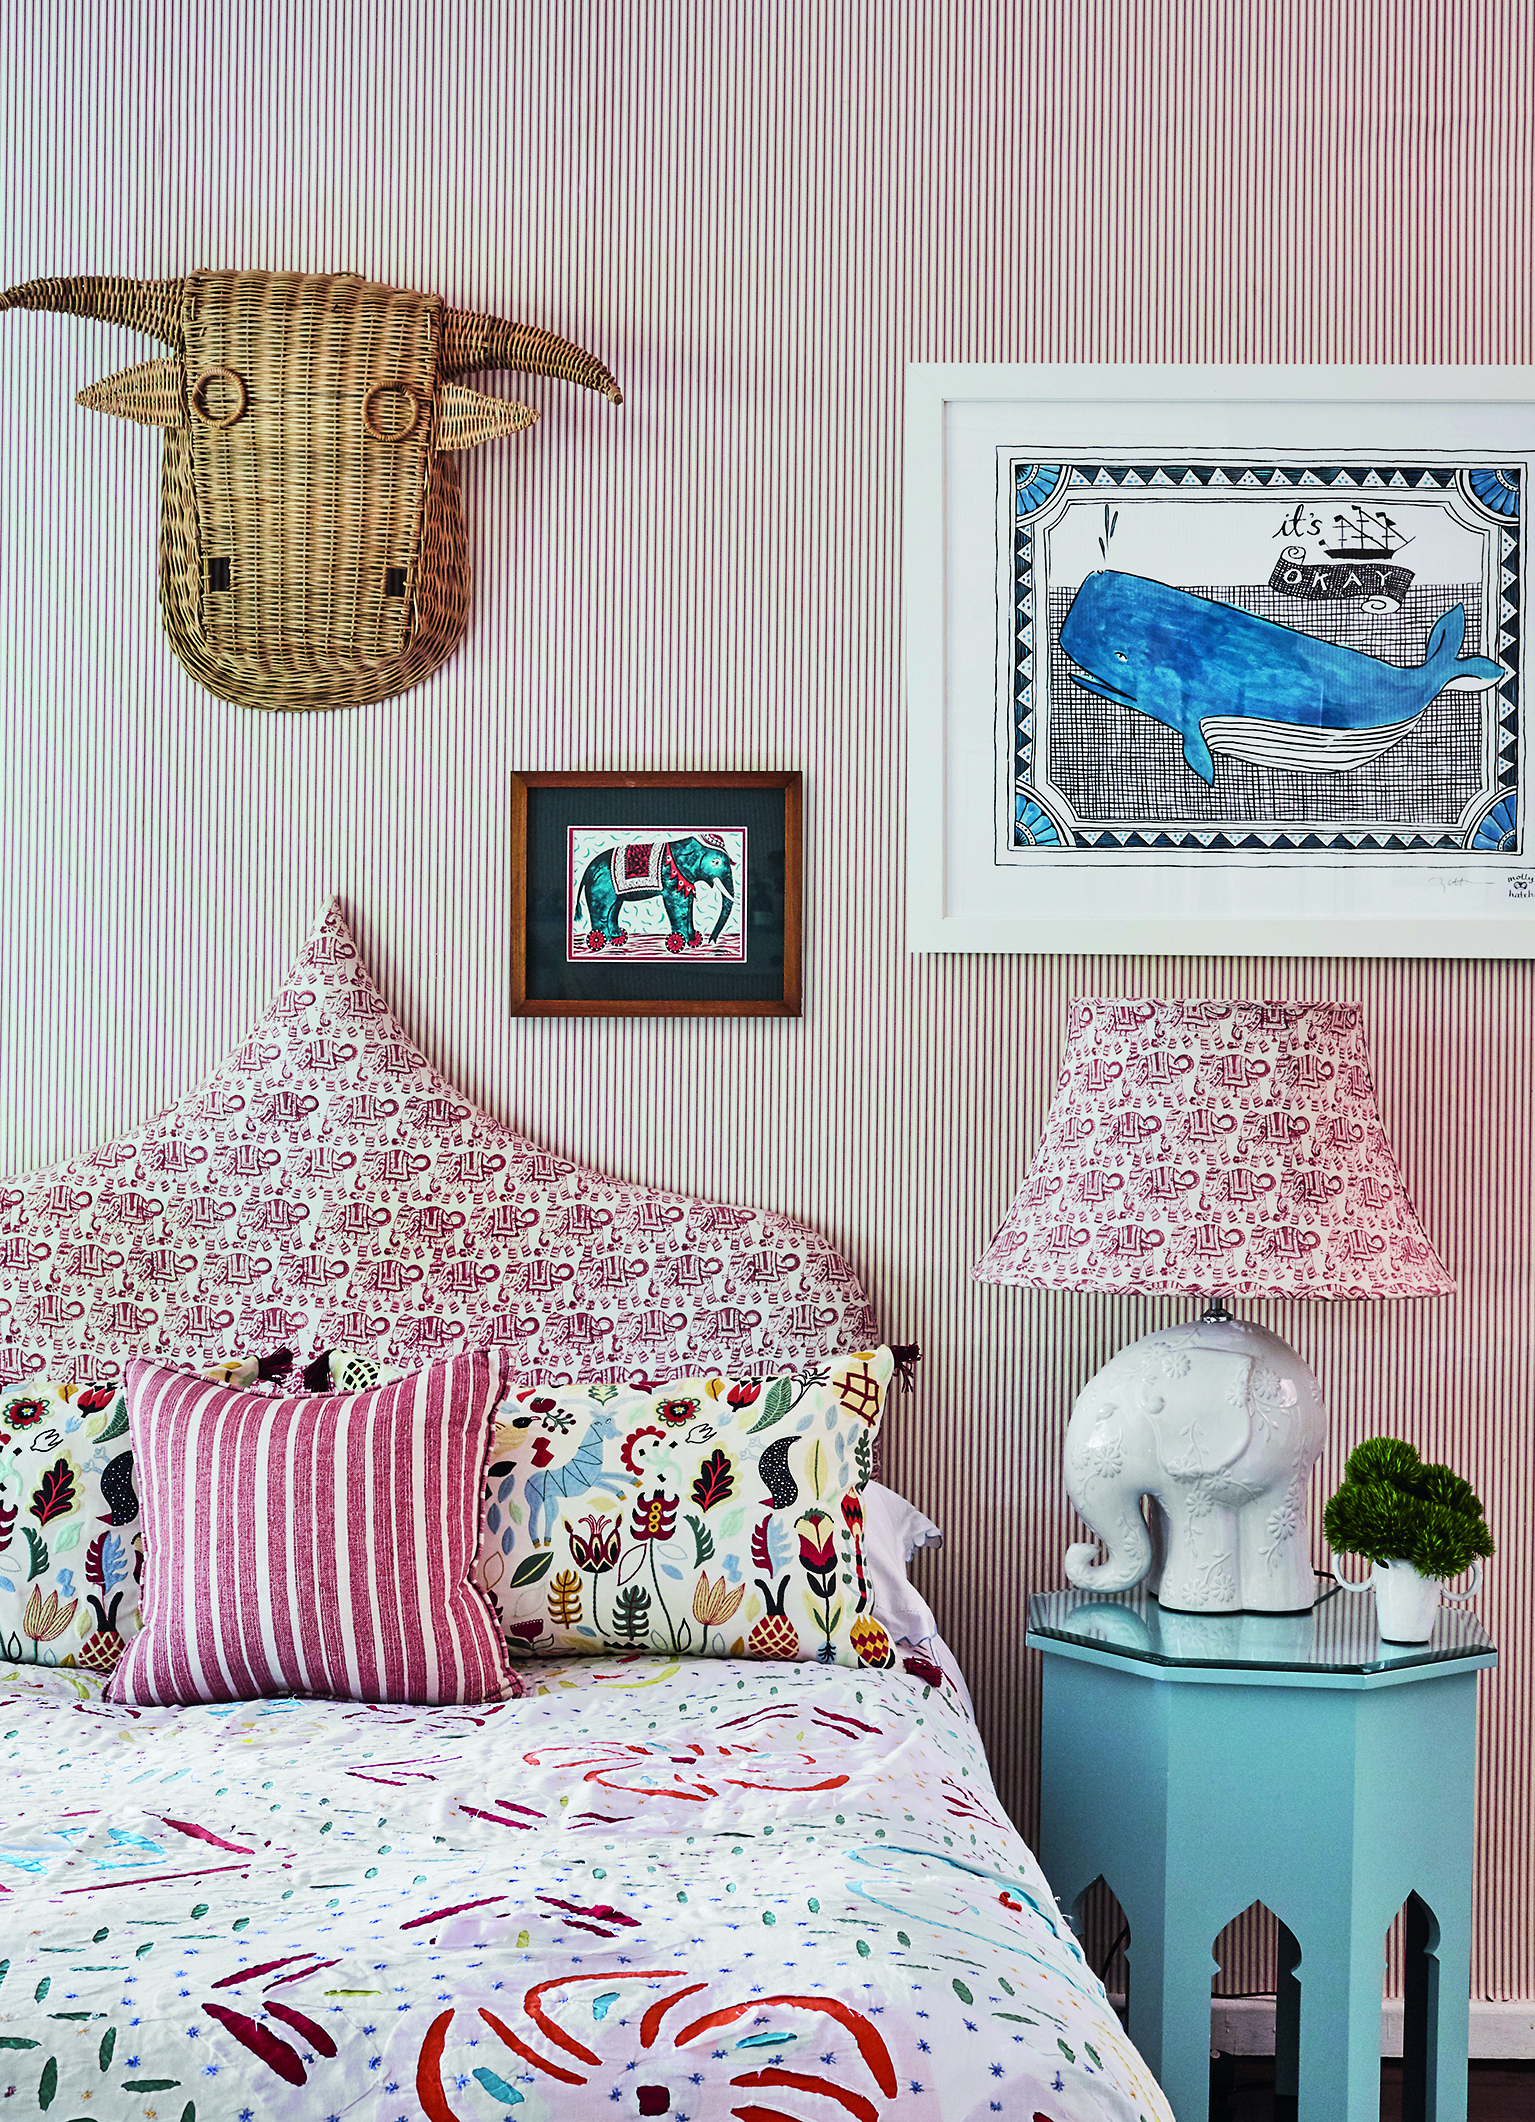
x: 1244, y: 2026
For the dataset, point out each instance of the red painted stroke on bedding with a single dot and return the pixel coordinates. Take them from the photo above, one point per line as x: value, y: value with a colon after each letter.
x: 541, y: 2001
x: 797, y: 2081
x: 678, y: 1772
x: 837, y: 1720
x: 277, y: 2055
x: 600, y: 1912
x: 301, y: 2023
x: 205, y: 1834
x: 870, y: 2045
x: 249, y: 1974
x: 650, y: 2025
x: 528, y: 2055
x: 439, y: 1915
x: 429, y: 2090
x: 408, y: 1771
x: 532, y: 2003
x: 302, y: 1974
x: 156, y: 1878
x: 841, y: 1720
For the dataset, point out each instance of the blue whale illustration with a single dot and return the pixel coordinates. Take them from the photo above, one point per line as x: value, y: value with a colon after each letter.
x: 1267, y: 692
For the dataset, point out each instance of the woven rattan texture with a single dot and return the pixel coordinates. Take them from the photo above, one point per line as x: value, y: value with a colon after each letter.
x: 149, y: 393
x: 312, y: 543
x: 311, y: 509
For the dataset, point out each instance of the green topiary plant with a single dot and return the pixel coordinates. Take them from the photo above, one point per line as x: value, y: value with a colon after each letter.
x: 1392, y: 1507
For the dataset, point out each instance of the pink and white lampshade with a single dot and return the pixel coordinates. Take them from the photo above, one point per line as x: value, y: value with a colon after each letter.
x: 1209, y: 1149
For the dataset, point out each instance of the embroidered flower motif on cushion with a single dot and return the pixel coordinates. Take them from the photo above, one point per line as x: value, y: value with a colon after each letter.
x: 653, y: 1517
x: 715, y: 1604
x: 599, y: 1551
x: 708, y: 1516
x: 44, y: 1619
x: 68, y: 1509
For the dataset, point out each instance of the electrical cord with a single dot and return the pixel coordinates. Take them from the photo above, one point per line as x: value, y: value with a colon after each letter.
x: 1108, y: 1958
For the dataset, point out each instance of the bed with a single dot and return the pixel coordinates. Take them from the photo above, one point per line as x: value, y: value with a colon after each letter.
x: 653, y: 1885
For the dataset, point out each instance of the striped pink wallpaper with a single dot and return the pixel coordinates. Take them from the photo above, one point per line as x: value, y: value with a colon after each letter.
x: 757, y: 214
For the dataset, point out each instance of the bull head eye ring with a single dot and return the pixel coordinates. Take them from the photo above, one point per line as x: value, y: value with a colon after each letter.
x: 398, y: 387
x: 213, y: 375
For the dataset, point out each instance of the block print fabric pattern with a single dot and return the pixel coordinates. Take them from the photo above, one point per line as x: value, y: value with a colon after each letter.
x: 1215, y: 1148
x: 70, y: 1553
x: 327, y: 1188
x: 710, y: 1516
x: 315, y: 1545
x: 678, y: 1888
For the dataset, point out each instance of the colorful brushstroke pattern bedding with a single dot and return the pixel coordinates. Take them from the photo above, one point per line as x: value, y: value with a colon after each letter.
x: 695, y: 1889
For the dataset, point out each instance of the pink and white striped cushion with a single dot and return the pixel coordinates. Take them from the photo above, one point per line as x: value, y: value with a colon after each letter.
x: 314, y: 1546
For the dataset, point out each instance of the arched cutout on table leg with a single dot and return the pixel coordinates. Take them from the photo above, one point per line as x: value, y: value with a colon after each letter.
x: 1103, y: 1930
x: 1257, y: 1954
x: 1245, y: 1951
x: 1420, y: 2005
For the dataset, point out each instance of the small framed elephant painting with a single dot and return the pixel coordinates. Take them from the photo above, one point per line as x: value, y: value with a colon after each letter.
x: 638, y: 895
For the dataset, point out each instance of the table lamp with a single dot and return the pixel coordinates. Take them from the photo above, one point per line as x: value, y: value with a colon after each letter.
x: 1217, y: 1150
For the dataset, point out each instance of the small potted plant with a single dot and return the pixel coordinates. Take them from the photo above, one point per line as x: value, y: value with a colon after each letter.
x: 1418, y: 1524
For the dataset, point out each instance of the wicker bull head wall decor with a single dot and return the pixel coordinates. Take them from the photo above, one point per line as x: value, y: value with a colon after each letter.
x: 312, y: 546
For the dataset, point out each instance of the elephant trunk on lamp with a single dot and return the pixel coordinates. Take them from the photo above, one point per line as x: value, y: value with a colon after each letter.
x: 1209, y: 1149
x: 1219, y: 1424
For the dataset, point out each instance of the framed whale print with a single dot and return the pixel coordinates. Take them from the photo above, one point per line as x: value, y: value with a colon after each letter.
x: 1227, y: 660
x: 638, y: 895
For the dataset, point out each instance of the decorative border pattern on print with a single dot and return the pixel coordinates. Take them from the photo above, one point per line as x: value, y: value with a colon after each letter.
x: 1035, y: 825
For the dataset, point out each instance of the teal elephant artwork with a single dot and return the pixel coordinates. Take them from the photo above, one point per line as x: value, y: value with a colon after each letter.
x: 666, y: 893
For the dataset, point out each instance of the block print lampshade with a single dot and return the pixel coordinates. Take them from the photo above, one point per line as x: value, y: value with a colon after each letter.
x: 1215, y: 1149
x: 1209, y: 1149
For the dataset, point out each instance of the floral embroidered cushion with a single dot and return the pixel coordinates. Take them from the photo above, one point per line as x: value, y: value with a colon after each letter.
x: 712, y: 1516
x: 346, y: 1370
x: 69, y: 1522
x: 272, y: 1374
x: 317, y: 1545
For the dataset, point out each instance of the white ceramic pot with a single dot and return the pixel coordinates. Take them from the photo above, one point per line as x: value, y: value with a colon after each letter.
x: 1406, y: 1602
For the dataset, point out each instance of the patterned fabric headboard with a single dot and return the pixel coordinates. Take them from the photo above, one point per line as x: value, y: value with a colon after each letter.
x: 327, y: 1188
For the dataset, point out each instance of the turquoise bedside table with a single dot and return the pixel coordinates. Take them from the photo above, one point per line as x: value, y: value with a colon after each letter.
x: 1202, y: 1762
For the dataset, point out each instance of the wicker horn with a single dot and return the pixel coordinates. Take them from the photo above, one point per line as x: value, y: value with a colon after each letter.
x: 152, y: 306
x: 149, y: 393
x: 472, y: 342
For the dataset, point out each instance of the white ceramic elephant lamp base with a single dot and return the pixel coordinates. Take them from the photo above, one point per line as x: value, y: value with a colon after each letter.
x: 1220, y: 1423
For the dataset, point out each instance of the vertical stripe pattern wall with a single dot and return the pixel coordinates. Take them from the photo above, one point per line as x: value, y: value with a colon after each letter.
x: 757, y: 215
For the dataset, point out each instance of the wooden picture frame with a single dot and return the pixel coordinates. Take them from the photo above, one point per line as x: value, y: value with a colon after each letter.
x: 656, y: 895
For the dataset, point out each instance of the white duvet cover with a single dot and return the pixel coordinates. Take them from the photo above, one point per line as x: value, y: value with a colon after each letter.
x: 708, y: 1889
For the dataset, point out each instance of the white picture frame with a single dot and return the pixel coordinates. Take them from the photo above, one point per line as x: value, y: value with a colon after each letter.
x: 1266, y: 771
